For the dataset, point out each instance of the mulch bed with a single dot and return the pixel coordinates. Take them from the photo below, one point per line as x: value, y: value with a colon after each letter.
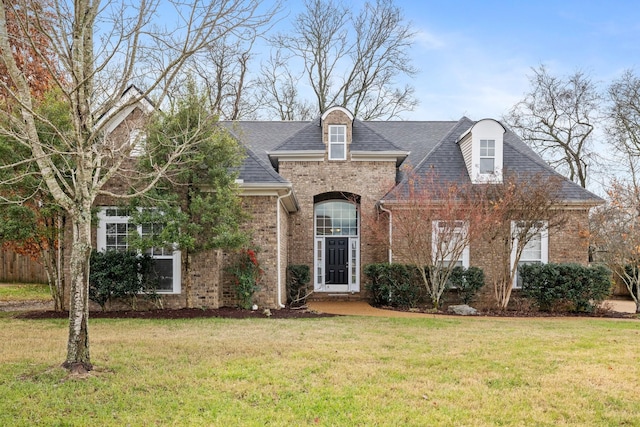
x: 607, y: 314
x: 610, y: 314
x: 183, y: 313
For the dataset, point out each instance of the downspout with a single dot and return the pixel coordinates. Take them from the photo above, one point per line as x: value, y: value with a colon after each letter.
x: 278, y: 256
x: 390, y: 230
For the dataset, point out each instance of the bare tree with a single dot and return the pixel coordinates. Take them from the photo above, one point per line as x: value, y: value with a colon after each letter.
x: 351, y: 61
x: 223, y: 69
x: 616, y: 225
x: 279, y: 88
x: 624, y: 116
x: 101, y: 49
x: 521, y: 208
x: 616, y: 233
x: 433, y: 226
x: 616, y: 229
x: 557, y: 118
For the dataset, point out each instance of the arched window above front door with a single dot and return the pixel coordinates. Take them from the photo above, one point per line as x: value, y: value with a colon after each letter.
x: 336, y: 218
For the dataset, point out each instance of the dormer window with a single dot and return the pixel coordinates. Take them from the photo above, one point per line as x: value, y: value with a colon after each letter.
x: 482, y: 147
x: 337, y: 142
x: 487, y: 156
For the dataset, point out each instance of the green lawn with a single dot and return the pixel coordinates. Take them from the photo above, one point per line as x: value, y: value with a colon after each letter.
x: 340, y: 371
x: 24, y: 292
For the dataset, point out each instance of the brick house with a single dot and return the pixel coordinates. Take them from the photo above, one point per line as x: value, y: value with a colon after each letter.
x: 309, y: 185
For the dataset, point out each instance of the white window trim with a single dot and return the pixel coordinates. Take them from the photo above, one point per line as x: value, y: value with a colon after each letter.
x: 493, y: 157
x: 318, y: 261
x: 319, y: 248
x: 343, y: 143
x: 544, y: 248
x: 463, y: 229
x: 101, y: 246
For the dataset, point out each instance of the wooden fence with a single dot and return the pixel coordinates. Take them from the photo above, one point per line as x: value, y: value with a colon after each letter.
x: 20, y: 269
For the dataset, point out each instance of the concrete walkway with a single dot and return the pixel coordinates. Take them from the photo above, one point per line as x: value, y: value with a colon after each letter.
x: 362, y: 308
x: 359, y: 308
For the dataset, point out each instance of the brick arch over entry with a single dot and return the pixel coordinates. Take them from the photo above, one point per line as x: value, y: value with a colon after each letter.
x: 336, y: 229
x: 337, y: 195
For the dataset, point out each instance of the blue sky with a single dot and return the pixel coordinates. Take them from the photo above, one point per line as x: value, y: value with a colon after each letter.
x: 475, y: 56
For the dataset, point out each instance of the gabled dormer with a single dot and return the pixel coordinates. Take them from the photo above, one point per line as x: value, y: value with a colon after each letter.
x: 126, y: 121
x: 482, y: 149
x: 337, y: 132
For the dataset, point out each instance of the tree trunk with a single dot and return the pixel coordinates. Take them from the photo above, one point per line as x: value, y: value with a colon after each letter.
x: 78, y: 359
x: 53, y: 278
x: 52, y: 255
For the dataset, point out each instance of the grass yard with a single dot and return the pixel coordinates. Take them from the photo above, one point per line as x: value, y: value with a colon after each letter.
x: 10, y: 292
x: 339, y: 371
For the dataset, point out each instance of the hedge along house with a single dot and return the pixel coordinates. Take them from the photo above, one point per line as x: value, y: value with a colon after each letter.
x: 309, y: 187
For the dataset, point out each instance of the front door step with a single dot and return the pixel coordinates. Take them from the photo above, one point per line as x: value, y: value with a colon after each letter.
x: 325, y: 296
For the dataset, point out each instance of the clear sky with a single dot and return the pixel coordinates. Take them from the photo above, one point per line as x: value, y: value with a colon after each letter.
x: 475, y: 56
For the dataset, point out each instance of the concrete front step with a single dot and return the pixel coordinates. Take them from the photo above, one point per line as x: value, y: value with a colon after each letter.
x: 337, y: 297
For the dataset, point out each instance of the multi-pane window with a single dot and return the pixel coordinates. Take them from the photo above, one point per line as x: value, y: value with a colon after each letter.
x: 163, y: 256
x: 337, y: 142
x: 114, y: 228
x: 536, y: 251
x: 336, y: 219
x: 449, y: 243
x: 487, y: 156
x: 320, y: 261
x: 353, y: 262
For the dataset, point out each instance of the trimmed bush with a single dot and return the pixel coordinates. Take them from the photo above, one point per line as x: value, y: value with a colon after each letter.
x: 116, y: 275
x: 466, y: 282
x: 392, y: 285
x: 298, y: 289
x: 578, y: 287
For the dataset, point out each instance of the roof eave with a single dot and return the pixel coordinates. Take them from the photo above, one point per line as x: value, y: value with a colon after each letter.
x: 379, y: 156
x: 296, y: 156
x: 283, y: 190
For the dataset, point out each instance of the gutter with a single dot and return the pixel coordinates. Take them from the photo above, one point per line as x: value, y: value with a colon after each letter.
x: 382, y: 208
x: 278, y: 255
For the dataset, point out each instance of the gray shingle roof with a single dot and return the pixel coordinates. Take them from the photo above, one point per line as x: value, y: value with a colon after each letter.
x: 255, y: 170
x: 419, y: 138
x: 263, y: 136
x: 365, y: 138
x: 432, y: 146
x: 446, y: 163
x: 307, y: 138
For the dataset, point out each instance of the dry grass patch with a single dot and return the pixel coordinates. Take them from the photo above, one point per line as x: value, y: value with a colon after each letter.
x: 332, y: 371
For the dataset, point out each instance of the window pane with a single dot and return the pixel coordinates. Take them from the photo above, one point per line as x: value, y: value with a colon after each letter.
x: 533, y: 250
x: 116, y: 236
x: 336, y: 219
x: 163, y: 272
x: 487, y: 147
x: 337, y: 134
x: 337, y: 152
x: 487, y: 165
